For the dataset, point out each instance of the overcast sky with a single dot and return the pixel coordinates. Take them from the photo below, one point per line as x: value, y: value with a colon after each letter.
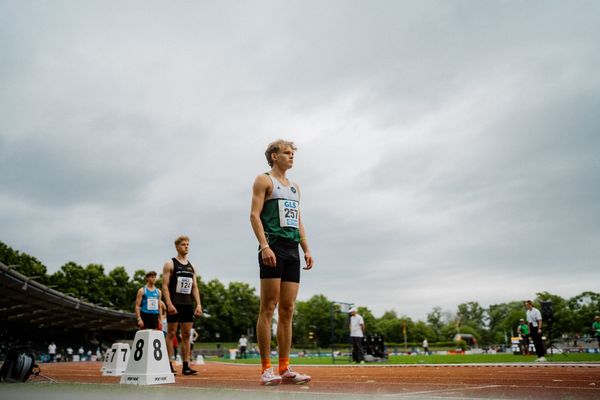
x: 448, y: 151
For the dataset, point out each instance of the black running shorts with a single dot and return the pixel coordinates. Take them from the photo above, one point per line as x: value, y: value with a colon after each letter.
x: 185, y: 313
x: 150, y: 320
x: 288, y: 262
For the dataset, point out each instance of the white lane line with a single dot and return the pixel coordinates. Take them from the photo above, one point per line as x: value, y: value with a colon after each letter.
x: 439, y: 391
x: 456, y: 365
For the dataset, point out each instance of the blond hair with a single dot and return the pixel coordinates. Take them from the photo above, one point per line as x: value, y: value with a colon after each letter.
x: 181, y: 239
x: 276, y: 147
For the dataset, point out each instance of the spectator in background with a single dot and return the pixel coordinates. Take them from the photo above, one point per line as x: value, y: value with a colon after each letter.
x: 357, y: 331
x: 534, y: 318
x: 243, y: 345
x: 52, y: 351
x: 425, y: 346
x: 596, y: 329
x: 523, y: 332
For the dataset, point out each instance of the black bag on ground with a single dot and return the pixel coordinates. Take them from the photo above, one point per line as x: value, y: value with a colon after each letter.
x: 18, y: 366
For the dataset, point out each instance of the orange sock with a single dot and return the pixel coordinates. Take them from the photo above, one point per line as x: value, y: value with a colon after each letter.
x: 266, y: 363
x: 284, y: 363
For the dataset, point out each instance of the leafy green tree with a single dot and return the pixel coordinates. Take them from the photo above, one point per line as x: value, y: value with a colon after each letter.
x: 243, y: 305
x: 422, y: 331
x: 582, y: 310
x: 448, y: 331
x: 470, y: 314
x: 390, y: 326
x: 217, y: 311
x: 227, y: 311
x: 503, y: 320
x: 24, y: 263
x: 71, y: 279
x: 315, y: 315
x: 97, y: 284
x: 231, y: 310
x: 122, y: 291
x: 139, y: 279
x: 435, y: 322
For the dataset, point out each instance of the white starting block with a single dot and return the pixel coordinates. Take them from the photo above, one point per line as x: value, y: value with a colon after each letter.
x: 149, y: 360
x: 115, y: 359
x: 199, y: 360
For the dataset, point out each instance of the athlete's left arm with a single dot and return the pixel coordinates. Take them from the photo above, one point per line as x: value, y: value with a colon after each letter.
x: 303, y: 239
x: 138, y: 307
x: 196, y: 294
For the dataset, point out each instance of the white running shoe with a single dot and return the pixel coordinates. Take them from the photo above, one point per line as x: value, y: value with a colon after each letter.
x: 290, y: 376
x: 268, y: 378
x: 541, y: 359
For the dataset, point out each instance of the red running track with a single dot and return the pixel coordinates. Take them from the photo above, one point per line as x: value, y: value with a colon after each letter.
x: 505, y: 381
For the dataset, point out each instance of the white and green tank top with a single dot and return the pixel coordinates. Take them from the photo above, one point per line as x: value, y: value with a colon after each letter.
x: 280, y: 215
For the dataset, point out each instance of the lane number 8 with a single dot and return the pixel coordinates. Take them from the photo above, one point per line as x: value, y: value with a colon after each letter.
x: 139, y: 350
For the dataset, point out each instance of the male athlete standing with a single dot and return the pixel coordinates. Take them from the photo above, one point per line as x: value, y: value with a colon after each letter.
x: 147, y: 303
x: 277, y: 224
x: 180, y: 291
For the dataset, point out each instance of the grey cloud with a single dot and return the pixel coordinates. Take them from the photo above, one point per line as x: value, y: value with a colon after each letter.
x: 440, y: 142
x: 64, y: 165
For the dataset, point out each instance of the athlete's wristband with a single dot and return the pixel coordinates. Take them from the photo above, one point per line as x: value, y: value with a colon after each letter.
x: 262, y: 248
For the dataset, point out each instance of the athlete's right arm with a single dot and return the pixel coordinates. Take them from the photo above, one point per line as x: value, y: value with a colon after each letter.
x: 167, y: 270
x: 262, y: 183
x: 138, y: 305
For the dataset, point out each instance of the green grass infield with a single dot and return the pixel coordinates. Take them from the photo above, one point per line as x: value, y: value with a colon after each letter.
x: 434, y: 359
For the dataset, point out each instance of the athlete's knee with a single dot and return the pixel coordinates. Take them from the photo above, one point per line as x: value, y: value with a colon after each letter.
x: 267, y: 308
x: 286, y: 311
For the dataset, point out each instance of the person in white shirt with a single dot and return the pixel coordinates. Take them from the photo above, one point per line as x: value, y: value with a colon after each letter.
x: 243, y: 345
x: 357, y: 331
x: 52, y: 351
x: 534, y: 319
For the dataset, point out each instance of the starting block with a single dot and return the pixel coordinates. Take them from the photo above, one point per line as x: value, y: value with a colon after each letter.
x: 149, y: 360
x: 115, y: 360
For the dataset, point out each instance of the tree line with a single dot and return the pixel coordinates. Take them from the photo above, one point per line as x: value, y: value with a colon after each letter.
x: 231, y: 310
